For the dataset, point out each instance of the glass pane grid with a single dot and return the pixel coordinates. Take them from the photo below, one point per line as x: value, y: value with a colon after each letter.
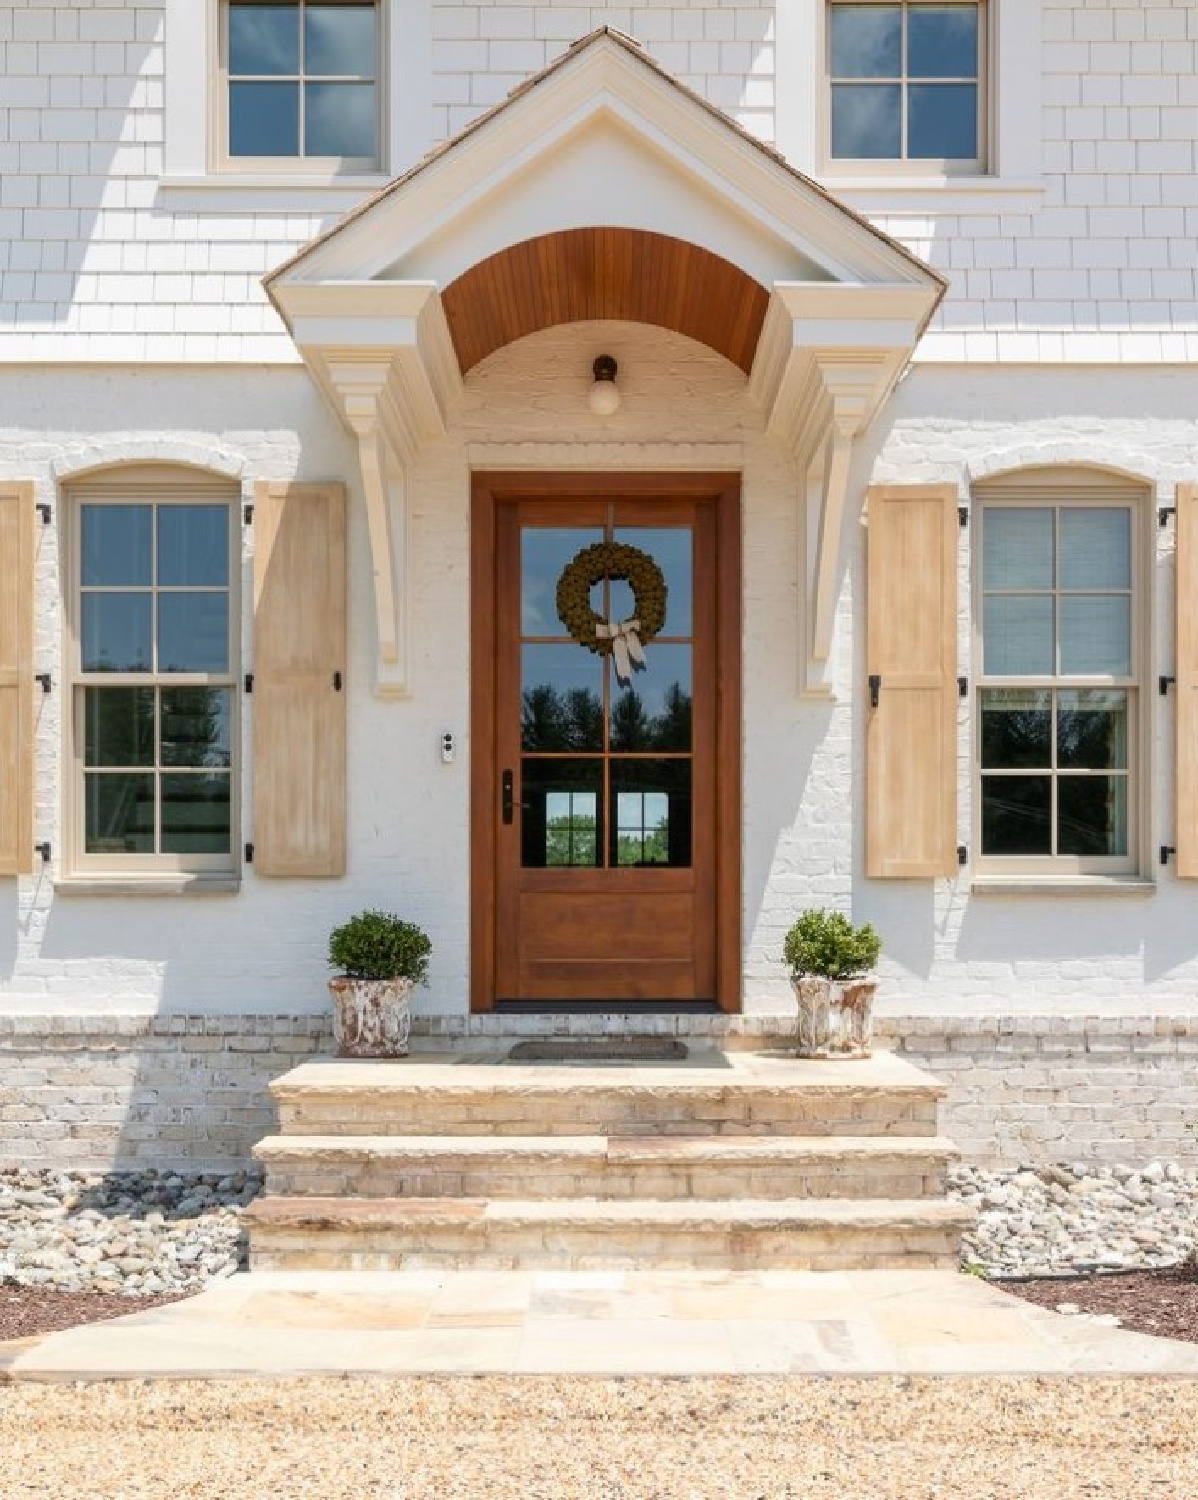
x: 313, y: 95
x: 565, y: 688
x: 884, y: 101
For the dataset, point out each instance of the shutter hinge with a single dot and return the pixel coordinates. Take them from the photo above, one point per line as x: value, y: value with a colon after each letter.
x: 962, y: 855
x: 247, y: 514
x: 875, y: 689
x: 336, y: 682
x: 43, y: 510
x: 1163, y: 513
x: 1163, y: 684
x: 44, y: 850
x: 1166, y: 851
x: 249, y: 854
x: 249, y: 682
x: 45, y: 679
x: 962, y: 687
x: 962, y: 515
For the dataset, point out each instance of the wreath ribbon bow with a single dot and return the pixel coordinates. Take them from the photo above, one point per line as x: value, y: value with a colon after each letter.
x: 626, y: 648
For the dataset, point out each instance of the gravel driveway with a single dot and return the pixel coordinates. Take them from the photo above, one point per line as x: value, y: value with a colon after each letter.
x: 576, y: 1439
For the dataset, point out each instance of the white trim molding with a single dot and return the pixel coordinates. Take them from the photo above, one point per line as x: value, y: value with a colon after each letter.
x: 381, y: 354
x: 829, y: 357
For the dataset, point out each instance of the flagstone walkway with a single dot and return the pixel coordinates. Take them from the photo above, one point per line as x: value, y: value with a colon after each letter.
x: 286, y: 1324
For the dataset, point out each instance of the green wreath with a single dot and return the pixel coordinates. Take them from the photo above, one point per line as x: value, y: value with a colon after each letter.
x: 610, y: 560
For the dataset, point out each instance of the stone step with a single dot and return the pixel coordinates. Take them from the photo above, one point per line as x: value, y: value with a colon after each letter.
x: 386, y: 1234
x: 609, y: 1167
x: 712, y: 1093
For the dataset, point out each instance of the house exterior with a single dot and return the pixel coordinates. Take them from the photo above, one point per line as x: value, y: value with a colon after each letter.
x: 367, y: 368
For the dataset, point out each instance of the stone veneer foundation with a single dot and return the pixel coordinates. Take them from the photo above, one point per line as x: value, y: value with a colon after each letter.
x: 99, y: 1092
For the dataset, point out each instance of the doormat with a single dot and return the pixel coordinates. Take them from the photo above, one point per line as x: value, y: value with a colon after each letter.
x: 600, y: 1049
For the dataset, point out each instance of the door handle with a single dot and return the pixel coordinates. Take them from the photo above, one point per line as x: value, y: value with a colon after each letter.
x: 509, y: 804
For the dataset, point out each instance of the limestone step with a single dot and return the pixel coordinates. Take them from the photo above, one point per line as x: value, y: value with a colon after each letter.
x: 611, y: 1167
x: 384, y: 1234
x: 712, y: 1093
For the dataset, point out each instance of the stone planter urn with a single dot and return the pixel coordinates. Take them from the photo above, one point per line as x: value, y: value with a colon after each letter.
x: 835, y: 1016
x: 371, y: 1017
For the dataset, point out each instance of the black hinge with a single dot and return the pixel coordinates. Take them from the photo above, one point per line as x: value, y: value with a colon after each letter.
x: 45, y: 679
x: 1163, y: 513
x: 44, y: 850
x: 962, y: 515
x: 249, y: 854
x: 249, y: 682
x: 1166, y: 851
x: 43, y: 510
x: 336, y: 682
x: 247, y: 514
x: 1164, y: 683
x: 962, y: 687
x: 962, y: 855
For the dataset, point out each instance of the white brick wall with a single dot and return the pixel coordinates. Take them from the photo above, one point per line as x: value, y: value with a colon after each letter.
x: 99, y: 261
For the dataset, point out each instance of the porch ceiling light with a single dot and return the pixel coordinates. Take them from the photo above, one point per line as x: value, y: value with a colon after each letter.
x: 604, y: 399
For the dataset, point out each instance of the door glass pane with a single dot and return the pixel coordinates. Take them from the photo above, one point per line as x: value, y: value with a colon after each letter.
x: 116, y: 632
x: 1096, y: 635
x: 193, y: 632
x: 195, y: 814
x: 264, y: 119
x: 942, y: 41
x: 561, y: 698
x: 670, y: 547
x: 1016, y: 730
x: 1017, y: 635
x: 118, y: 813
x: 653, y: 711
x: 1017, y: 548
x: 263, y: 39
x: 118, y: 726
x: 561, y: 816
x: 339, y: 119
x: 942, y: 121
x: 1095, y: 548
x: 339, y: 40
x: 1016, y: 815
x: 866, y: 41
x: 193, y: 546
x: 116, y: 546
x: 196, y: 726
x: 867, y: 121
x: 1092, y: 730
x: 1092, y: 815
x: 652, y: 804
x: 545, y: 552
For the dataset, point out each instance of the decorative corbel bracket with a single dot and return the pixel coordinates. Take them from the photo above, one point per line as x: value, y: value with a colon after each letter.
x: 382, y: 356
x: 829, y: 356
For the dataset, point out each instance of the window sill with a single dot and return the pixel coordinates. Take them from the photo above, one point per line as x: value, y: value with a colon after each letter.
x: 1068, y: 885
x: 923, y: 195
x: 282, y: 192
x: 147, y: 885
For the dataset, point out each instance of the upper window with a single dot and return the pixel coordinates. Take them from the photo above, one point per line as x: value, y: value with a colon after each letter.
x: 1058, y: 686
x: 907, y: 83
x: 153, y: 685
x: 301, y: 83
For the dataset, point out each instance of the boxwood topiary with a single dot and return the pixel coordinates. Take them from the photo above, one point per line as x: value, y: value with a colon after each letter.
x: 378, y: 945
x: 826, y: 943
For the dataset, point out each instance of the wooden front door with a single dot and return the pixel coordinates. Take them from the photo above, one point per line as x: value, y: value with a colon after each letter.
x: 606, y: 767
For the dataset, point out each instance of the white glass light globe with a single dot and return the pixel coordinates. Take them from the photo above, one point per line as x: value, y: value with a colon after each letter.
x: 604, y: 399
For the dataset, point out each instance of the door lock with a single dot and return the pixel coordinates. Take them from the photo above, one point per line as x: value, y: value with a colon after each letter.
x: 509, y: 796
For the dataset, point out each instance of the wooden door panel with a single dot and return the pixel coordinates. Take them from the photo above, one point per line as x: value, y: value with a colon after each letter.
x: 564, y: 907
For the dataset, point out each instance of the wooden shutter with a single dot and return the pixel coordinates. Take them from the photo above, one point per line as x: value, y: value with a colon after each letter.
x: 1186, y: 672
x: 299, y: 679
x: 911, y: 649
x: 16, y: 679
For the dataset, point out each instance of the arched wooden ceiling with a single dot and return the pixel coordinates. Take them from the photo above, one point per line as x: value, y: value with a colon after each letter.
x: 629, y: 274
